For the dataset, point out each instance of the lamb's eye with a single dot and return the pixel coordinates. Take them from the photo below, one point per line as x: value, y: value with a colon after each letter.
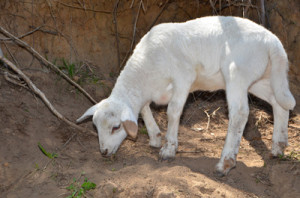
x: 115, y: 128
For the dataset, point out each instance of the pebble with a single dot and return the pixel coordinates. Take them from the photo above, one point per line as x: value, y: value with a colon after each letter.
x: 107, y: 190
x: 165, y: 195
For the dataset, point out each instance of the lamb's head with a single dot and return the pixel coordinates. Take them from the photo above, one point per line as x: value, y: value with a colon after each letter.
x: 114, y: 120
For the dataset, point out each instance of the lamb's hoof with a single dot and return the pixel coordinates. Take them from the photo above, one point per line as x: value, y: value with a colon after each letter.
x: 223, y: 168
x: 222, y: 173
x: 278, y: 149
x: 167, y: 152
x: 219, y: 173
x: 169, y: 159
x: 155, y: 143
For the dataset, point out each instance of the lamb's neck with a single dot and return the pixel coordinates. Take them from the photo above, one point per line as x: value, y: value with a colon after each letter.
x: 129, y: 90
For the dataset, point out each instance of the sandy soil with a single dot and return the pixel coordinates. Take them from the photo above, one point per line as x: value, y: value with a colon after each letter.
x: 135, y: 170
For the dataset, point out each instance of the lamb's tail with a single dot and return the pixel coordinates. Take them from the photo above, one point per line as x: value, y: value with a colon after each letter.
x: 279, y: 79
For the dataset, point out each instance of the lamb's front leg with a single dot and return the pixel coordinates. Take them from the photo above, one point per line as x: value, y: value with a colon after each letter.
x: 152, y: 128
x: 174, y: 111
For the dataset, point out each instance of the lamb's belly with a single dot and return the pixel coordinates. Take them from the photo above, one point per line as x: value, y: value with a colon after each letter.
x: 205, y: 83
x: 209, y: 83
x: 162, y: 97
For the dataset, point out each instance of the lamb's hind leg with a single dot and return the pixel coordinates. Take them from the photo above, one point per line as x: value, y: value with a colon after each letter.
x: 280, y: 132
x: 152, y: 128
x: 238, y: 115
x: 263, y: 90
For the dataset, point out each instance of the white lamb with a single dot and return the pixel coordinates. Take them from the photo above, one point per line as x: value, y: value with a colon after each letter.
x: 210, y: 53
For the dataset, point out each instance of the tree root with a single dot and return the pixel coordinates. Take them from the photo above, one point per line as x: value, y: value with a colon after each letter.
x: 38, y: 92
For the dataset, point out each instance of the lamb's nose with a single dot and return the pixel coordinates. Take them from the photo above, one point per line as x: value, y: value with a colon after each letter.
x: 104, y: 153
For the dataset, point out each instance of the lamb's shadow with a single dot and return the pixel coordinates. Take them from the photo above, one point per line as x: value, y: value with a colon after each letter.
x: 251, y: 132
x: 242, y: 178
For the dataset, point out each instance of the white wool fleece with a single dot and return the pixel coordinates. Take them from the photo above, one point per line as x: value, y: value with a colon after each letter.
x: 209, y: 53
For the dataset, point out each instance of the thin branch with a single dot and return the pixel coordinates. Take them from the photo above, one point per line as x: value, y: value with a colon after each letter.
x: 133, y: 35
x: 116, y: 32
x: 85, y: 9
x: 208, y: 119
x: 38, y: 92
x: 245, y: 6
x: 134, y: 25
x: 161, y: 11
x: 52, y: 13
x: 196, y: 151
x: 12, y: 79
x: 46, y: 62
x: 246, y: 10
x: 46, y: 31
x: 212, y: 4
x: 67, y: 142
x: 11, y: 55
x: 198, y: 6
x: 263, y: 12
x: 24, y: 35
x: 143, y: 6
x: 132, y: 2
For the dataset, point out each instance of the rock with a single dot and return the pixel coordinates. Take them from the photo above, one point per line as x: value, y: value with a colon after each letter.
x: 107, y: 190
x: 165, y: 194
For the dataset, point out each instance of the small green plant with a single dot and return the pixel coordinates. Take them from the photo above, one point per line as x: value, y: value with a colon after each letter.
x: 77, y: 190
x: 79, y: 71
x: 257, y: 180
x: 95, y: 79
x: 265, y: 164
x: 292, y: 156
x: 144, y: 130
x: 281, y: 156
x: 67, y: 67
x: 36, y: 166
x: 111, y: 74
x: 49, y: 155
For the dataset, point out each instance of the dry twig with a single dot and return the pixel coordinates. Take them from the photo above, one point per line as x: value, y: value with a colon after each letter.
x: 134, y: 25
x: 46, y: 62
x: 132, y: 2
x: 24, y: 35
x: 215, y: 111
x: 263, y: 12
x: 133, y: 35
x: 245, y: 5
x: 159, y: 14
x: 196, y: 151
x: 208, y: 119
x: 209, y: 116
x: 38, y: 92
x: 83, y: 8
x: 12, y: 79
x: 212, y: 4
x: 116, y: 32
x: 11, y: 55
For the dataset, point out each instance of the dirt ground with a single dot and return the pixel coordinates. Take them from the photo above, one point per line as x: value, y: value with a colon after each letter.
x: 135, y: 170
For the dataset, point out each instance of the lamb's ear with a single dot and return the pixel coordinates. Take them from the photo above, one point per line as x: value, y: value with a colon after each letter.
x: 88, y: 113
x: 129, y: 123
x: 131, y: 128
